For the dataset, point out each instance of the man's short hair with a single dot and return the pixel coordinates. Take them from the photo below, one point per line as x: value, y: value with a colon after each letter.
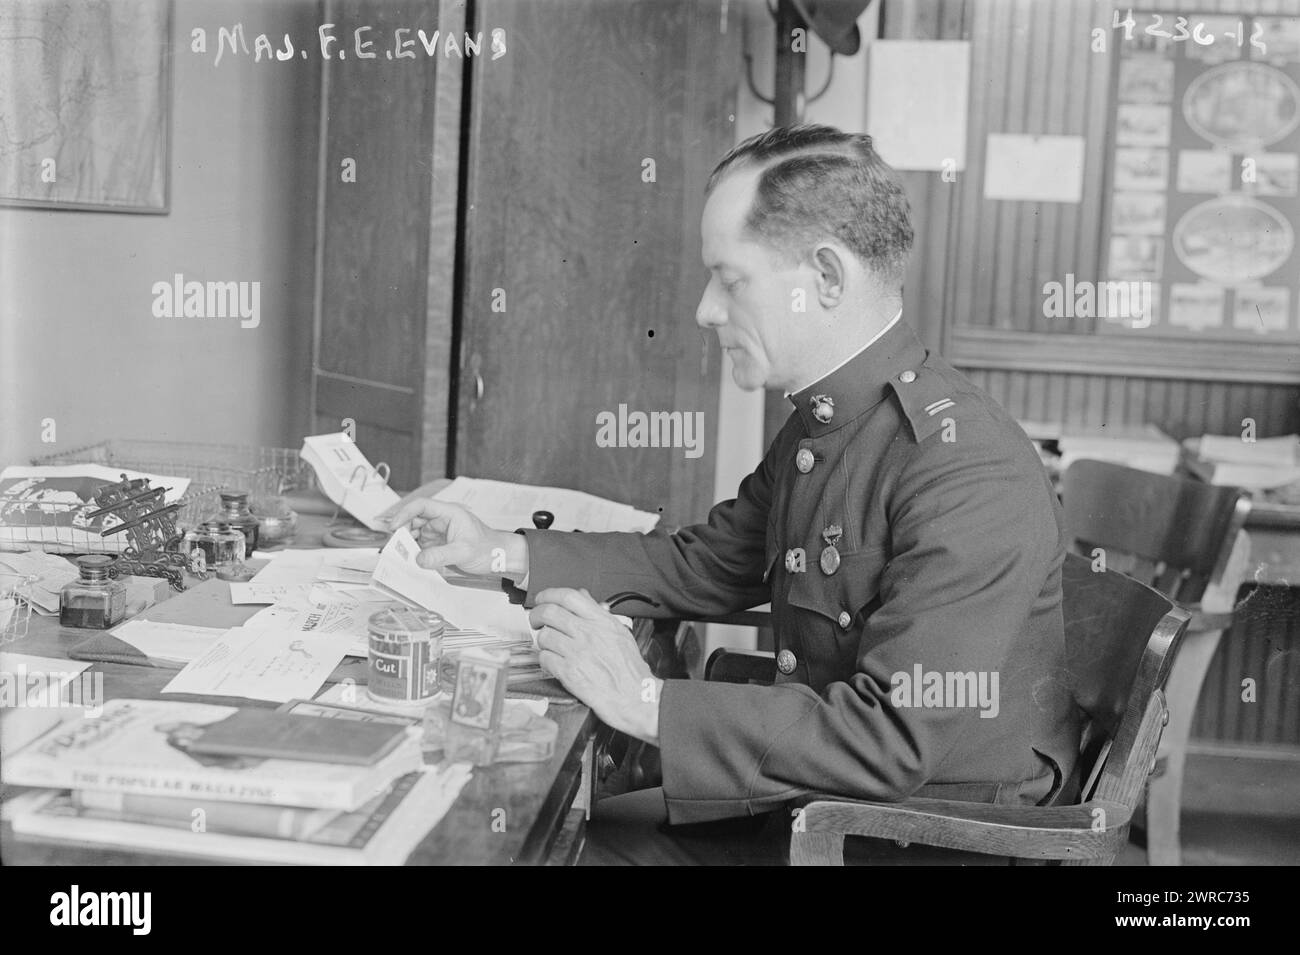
x: 818, y: 182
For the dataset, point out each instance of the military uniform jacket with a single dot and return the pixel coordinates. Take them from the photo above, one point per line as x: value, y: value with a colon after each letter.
x: 950, y: 547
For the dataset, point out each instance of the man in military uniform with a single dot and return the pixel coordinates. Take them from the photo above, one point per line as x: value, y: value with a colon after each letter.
x: 901, y: 525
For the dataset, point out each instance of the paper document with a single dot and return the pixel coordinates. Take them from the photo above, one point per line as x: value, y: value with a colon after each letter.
x: 38, y: 693
x: 255, y: 593
x: 508, y: 506
x: 462, y: 607
x: 292, y: 574
x: 174, y: 642
x: 348, y: 479
x: 32, y: 677
x: 277, y: 665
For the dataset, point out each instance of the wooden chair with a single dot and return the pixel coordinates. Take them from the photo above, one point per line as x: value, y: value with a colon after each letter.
x: 1120, y: 636
x: 1177, y: 535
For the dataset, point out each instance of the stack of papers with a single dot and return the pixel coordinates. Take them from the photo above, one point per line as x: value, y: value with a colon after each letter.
x: 291, y: 574
x: 1144, y: 447
x: 508, y: 506
x: 348, y: 479
x: 1259, y: 465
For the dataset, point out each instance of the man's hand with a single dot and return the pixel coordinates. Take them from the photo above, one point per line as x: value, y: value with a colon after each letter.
x: 590, y: 651
x: 451, y: 536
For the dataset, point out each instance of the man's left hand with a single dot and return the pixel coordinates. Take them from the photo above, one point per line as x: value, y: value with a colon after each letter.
x: 589, y: 650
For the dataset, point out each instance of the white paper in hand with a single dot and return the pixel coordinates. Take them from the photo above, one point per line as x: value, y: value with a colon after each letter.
x: 463, y: 607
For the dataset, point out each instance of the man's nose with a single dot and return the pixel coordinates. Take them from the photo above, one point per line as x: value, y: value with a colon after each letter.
x: 710, y: 313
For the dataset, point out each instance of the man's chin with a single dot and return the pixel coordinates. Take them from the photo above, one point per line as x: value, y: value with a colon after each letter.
x: 745, y: 376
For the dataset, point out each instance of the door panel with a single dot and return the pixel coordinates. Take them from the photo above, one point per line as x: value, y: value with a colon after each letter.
x: 600, y: 269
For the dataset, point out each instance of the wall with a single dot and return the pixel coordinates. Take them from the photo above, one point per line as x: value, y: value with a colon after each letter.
x: 78, y: 340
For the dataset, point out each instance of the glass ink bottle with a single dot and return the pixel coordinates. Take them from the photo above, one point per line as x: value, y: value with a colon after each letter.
x: 94, y: 601
x: 213, y: 546
x: 236, y: 512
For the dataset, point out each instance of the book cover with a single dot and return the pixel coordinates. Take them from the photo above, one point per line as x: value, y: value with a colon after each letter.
x: 144, y: 746
x: 383, y: 831
x: 275, y: 735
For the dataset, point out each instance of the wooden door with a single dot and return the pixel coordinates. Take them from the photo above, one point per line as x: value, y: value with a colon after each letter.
x: 590, y: 142
x: 386, y: 226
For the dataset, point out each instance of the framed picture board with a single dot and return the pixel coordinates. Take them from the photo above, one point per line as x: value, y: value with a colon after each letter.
x: 1202, y: 194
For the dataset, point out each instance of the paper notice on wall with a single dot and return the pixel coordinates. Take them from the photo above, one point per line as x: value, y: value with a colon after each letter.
x: 1034, y: 168
x: 917, y: 94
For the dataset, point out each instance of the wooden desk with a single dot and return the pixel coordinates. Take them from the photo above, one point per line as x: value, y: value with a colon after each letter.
x: 545, y: 804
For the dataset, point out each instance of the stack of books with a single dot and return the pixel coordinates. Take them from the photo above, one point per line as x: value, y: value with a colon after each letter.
x: 1261, y: 465
x: 157, y: 775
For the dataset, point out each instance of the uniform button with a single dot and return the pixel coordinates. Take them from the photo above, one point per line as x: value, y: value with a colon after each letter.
x: 907, y: 377
x: 786, y: 662
x: 845, y: 619
x: 804, y: 460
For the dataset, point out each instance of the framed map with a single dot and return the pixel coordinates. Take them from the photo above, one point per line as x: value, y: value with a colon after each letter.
x: 84, y: 104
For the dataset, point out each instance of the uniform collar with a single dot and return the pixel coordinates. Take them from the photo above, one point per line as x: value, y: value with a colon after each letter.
x: 860, y: 383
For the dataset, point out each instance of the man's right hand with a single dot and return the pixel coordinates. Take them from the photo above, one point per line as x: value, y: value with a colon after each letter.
x: 451, y: 536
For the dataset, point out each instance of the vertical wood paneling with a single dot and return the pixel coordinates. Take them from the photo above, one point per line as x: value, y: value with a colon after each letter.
x: 1010, y: 303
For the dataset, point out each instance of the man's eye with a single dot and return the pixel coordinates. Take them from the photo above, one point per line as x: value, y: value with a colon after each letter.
x: 731, y: 286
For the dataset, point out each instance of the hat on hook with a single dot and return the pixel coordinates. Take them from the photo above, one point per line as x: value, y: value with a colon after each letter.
x: 835, y: 22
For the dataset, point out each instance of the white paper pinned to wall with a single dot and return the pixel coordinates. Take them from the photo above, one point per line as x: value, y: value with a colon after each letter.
x: 918, y: 94
x: 1034, y: 168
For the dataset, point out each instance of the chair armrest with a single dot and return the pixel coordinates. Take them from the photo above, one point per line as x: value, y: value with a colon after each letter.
x: 1091, y: 830
x: 741, y: 618
x: 740, y: 666
x: 1203, y: 621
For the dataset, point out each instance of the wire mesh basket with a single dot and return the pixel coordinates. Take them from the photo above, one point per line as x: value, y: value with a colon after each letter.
x: 15, y: 605
x: 58, y: 527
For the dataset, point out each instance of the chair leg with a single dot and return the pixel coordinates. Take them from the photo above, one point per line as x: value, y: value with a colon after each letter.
x: 1165, y: 791
x: 816, y: 848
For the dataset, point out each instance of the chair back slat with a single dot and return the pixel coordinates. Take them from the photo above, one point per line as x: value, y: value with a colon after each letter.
x: 1119, y: 638
x: 1178, y: 530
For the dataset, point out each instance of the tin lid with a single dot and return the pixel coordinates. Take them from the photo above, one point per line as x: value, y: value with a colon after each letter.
x: 402, y: 624
x: 95, y: 566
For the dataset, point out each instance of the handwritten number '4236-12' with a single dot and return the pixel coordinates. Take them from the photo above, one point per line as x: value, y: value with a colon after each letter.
x: 1198, y: 34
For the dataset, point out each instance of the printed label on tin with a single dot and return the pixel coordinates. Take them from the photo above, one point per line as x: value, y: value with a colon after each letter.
x: 403, y: 672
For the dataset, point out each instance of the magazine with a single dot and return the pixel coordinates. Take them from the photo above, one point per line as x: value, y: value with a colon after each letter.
x: 143, y: 746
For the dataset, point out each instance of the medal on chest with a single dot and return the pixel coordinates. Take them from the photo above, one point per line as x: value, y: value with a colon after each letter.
x: 830, y: 559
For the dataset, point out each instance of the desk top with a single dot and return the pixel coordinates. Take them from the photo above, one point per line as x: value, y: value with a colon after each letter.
x: 534, y: 796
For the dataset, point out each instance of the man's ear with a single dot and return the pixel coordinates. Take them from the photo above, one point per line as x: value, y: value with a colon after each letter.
x: 831, y: 276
